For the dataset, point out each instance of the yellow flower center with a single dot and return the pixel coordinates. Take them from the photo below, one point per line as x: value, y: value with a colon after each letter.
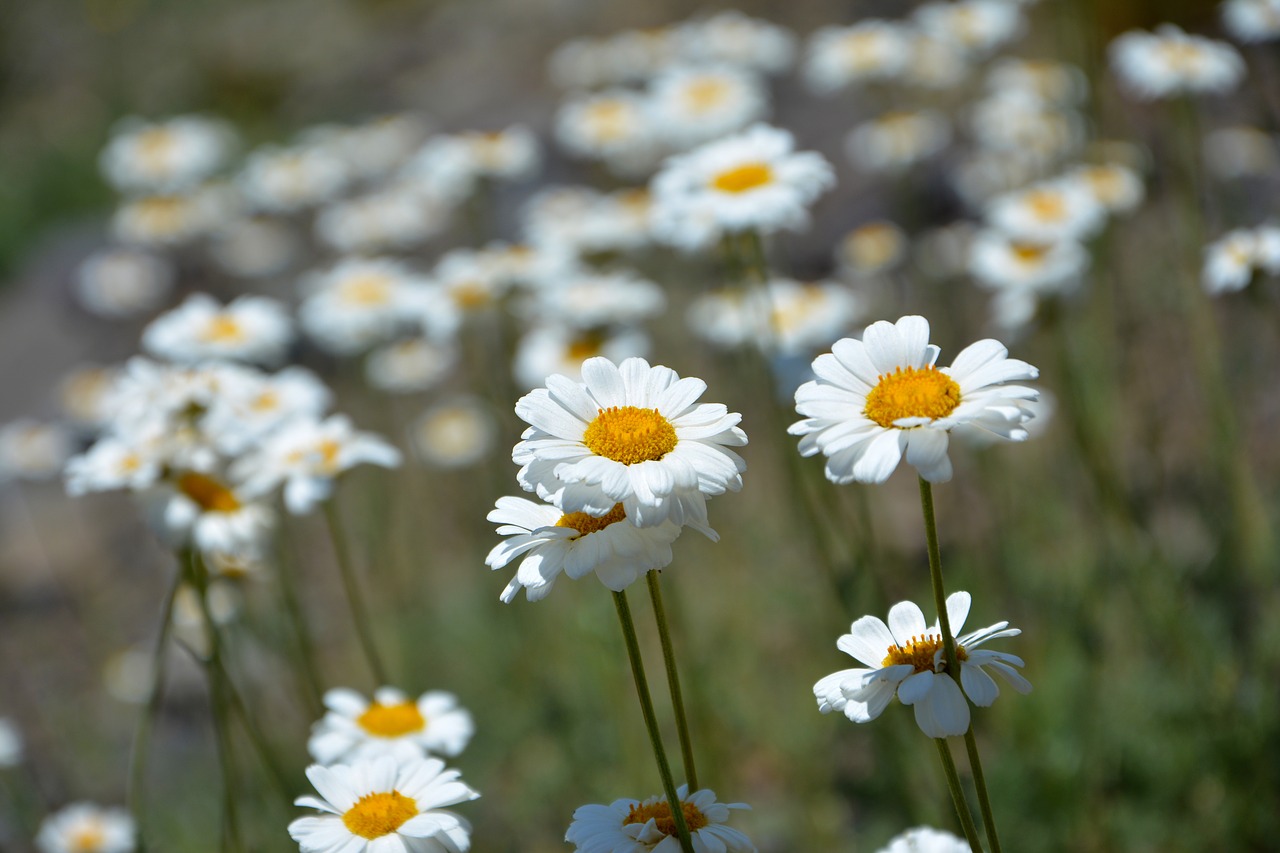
x: 745, y: 177
x: 588, y: 524
x: 87, y: 839
x: 376, y: 815
x: 470, y: 295
x: 222, y: 328
x: 584, y: 346
x: 660, y: 814
x: 919, y: 653
x: 1029, y: 253
x: 390, y: 721
x: 862, y: 50
x: 1047, y: 206
x: 161, y: 214
x: 607, y: 120
x: 156, y: 146
x: 629, y: 435
x: 329, y: 450
x: 911, y: 393
x: 1182, y: 57
x: 705, y: 94
x: 208, y: 493
x: 369, y: 289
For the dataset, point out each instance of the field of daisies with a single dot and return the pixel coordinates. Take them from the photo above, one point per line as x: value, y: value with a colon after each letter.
x: 521, y: 427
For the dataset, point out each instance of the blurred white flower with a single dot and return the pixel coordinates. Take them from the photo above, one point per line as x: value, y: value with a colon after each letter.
x: 614, y: 126
x: 1252, y: 21
x: 163, y: 156
x: 409, y: 365
x: 835, y: 57
x: 285, y: 180
x: 588, y: 300
x: 11, y: 745
x: 1238, y: 152
x: 1231, y: 260
x: 388, y: 219
x: 897, y: 140
x: 83, y: 393
x: 123, y: 282
x: 33, y: 450
x: 553, y: 347
x: 1021, y: 272
x: 253, y: 329
x: 1055, y: 82
x: 359, y: 303
x: 923, y: 839
x: 454, y: 433
x: 86, y: 828
x: 161, y: 221
x: 870, y: 249
x: 1170, y: 62
x: 732, y: 38
x: 208, y: 513
x: 786, y: 318
x: 357, y: 729
x: 979, y: 27
x: 1117, y: 188
x: 690, y: 105
x: 1049, y: 211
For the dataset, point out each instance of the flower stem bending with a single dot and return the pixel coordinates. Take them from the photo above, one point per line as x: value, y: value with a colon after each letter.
x: 355, y: 600
x: 673, y: 678
x: 650, y: 720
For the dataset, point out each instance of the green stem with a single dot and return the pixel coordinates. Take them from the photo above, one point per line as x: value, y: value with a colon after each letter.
x: 654, y: 580
x: 980, y: 782
x: 278, y: 776
x: 650, y: 720
x: 957, y: 795
x: 355, y: 600
x: 312, y: 684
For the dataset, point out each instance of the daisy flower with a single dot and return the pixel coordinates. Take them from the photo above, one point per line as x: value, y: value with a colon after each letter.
x: 1117, y: 188
x: 212, y: 515
x: 1252, y: 21
x: 613, y: 126
x: 123, y: 282
x: 409, y: 365
x: 561, y: 348
x: 1009, y: 265
x: 358, y: 303
x: 576, y: 544
x: 751, y: 181
x: 170, y: 219
x: 978, y: 27
x: 646, y: 826
x: 628, y: 434
x: 881, y: 398
x: 906, y: 658
x: 86, y: 828
x: 32, y: 450
x: 394, y: 219
x: 897, y: 140
x: 381, y: 805
x: 286, y: 180
x: 586, y: 299
x: 356, y: 729
x: 924, y: 839
x: 83, y: 395
x: 693, y: 105
x: 1231, y: 260
x: 869, y: 50
x: 870, y: 249
x: 250, y: 328
x: 1169, y: 62
x: 1054, y: 82
x: 167, y: 155
x: 456, y: 432
x: 732, y: 38
x: 1049, y: 211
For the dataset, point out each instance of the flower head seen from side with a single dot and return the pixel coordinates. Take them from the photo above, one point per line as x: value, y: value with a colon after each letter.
x: 384, y: 805
x: 924, y: 839
x: 554, y: 542
x: 881, y: 399
x: 906, y: 658
x: 86, y: 828
x: 646, y: 826
x: 356, y: 728
x: 628, y: 434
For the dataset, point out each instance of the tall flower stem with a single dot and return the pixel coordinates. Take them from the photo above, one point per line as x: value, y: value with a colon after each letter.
x: 949, y: 649
x: 355, y: 599
x: 957, y: 795
x: 312, y: 685
x: 654, y: 580
x: 650, y: 720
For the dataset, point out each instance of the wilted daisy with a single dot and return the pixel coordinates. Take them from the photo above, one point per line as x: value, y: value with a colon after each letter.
x: 1048, y: 211
x: 123, y: 282
x: 693, y: 105
x: 254, y: 329
x: 869, y: 50
x: 357, y: 729
x: 628, y: 434
x: 753, y: 181
x: 86, y: 828
x: 906, y: 658
x: 924, y: 839
x: 166, y: 155
x: 646, y: 826
x: 897, y: 140
x: 1252, y: 21
x: 977, y: 26
x: 881, y: 398
x: 32, y: 450
x: 1170, y: 62
x: 383, y: 805
x: 549, y: 348
x: 358, y: 303
x: 456, y: 432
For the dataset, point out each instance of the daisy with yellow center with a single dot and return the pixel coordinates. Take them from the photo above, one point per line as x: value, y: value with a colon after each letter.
x: 1021, y: 272
x: 1062, y: 209
x: 392, y: 723
x: 167, y: 155
x: 1170, y: 62
x: 208, y: 512
x: 359, y: 303
x: 881, y: 399
x: 87, y: 828
x: 628, y: 434
x: 905, y: 658
x: 249, y: 329
x: 647, y: 825
x: 693, y: 105
x: 385, y: 804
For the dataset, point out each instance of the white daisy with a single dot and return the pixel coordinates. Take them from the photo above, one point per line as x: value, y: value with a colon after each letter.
x: 1007, y: 264
x: 786, y: 318
x: 83, y: 394
x: 250, y: 328
x: 906, y: 658
x: 388, y: 219
x: 204, y: 511
x: 897, y: 140
x: 1055, y: 82
x: 123, y: 282
x: 456, y: 432
x: 1117, y: 188
x: 1169, y: 62
x: 693, y: 105
x: 565, y: 223
x: 871, y: 249
x: 32, y: 450
x: 732, y: 38
x: 166, y: 155
x: 646, y: 826
x: 86, y: 828
x: 381, y: 806
x: 1229, y: 261
x: 613, y: 126
x: 360, y: 302
x: 751, y: 181
x: 376, y: 148
x: 1015, y: 123
x: 977, y: 26
x: 112, y: 463
x: 285, y: 180
x: 924, y: 839
x: 577, y: 544
x: 881, y: 398
x: 631, y: 434
x: 588, y: 300
x: 168, y: 220
x: 356, y: 729
x: 410, y: 365
x: 1252, y: 21
x: 869, y: 50
x: 1049, y: 211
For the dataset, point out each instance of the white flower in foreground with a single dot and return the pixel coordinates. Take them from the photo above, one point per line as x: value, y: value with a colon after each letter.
x: 647, y: 826
x: 1169, y: 62
x: 1252, y: 20
x: 906, y: 658
x: 576, y: 544
x: 628, y: 434
x: 924, y: 839
x: 356, y: 729
x: 251, y: 328
x: 86, y: 828
x: 881, y: 398
x: 384, y: 807
x: 751, y: 181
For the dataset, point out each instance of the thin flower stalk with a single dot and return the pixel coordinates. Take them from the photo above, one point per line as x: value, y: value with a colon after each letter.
x: 653, y: 577
x: 957, y: 795
x: 355, y: 599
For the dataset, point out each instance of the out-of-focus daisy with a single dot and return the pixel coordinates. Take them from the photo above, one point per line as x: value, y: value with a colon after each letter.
x: 123, y: 282
x: 409, y: 365
x: 1117, y: 188
x: 881, y: 398
x: 1021, y: 272
x: 1252, y: 21
x: 284, y: 180
x: 1170, y: 62
x: 464, y: 285
x: 647, y: 826
x: 628, y: 434
x: 977, y: 26
x: 83, y: 395
x: 1055, y: 82
x: 566, y: 223
x: 1238, y: 152
x: 924, y: 839
x: 113, y: 464
x: 456, y: 432
x: 785, y: 318
x: 589, y: 300
x: 86, y: 828
x: 510, y: 154
x: 11, y: 747
x: 166, y: 155
x: 906, y: 658
x: 450, y: 167
x: 305, y: 456
x: 358, y: 303
x: 382, y: 805
x: 732, y: 38
x: 387, y: 219
x: 1017, y: 123
x: 251, y: 405
x: 32, y: 450
x: 1230, y: 261
x: 693, y: 105
x: 869, y: 50
x: 254, y: 246
x: 935, y: 63
x: 377, y: 147
x: 751, y: 181
x: 895, y: 141
x: 250, y: 328
x: 170, y: 220
x: 1049, y: 211
x: 613, y: 126
x: 357, y: 729
x: 871, y: 249
x: 549, y: 348
x: 209, y: 513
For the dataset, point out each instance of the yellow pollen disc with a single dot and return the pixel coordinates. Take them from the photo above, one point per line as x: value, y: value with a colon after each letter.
x: 1047, y: 206
x: 919, y: 653
x: 607, y: 120
x: 584, y: 346
x: 705, y: 94
x: 329, y: 450
x: 222, y: 328
x: 208, y: 493
x: 395, y: 720
x: 745, y: 177
x: 266, y: 401
x: 588, y: 524
x: 87, y: 839
x: 156, y: 146
x: 911, y: 393
x: 376, y: 815
x: 470, y: 295
x: 630, y: 435
x: 161, y: 213
x: 371, y: 289
x: 1029, y: 252
x: 660, y: 813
